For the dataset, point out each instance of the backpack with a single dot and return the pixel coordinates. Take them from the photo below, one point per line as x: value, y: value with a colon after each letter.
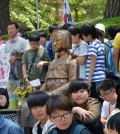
x: 77, y: 130
x: 109, y: 63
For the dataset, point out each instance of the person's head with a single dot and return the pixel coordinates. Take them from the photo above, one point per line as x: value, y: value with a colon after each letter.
x: 52, y: 29
x: 89, y: 32
x: 75, y: 32
x: 112, y: 31
x: 99, y: 34
x: 23, y: 34
x: 113, y: 124
x: 12, y: 29
x: 107, y: 89
x: 62, y: 40
x: 66, y: 26
x: 59, y: 109
x: 101, y: 27
x: 79, y: 91
x: 42, y: 38
x: 36, y: 103
x: 34, y: 41
x: 4, y: 98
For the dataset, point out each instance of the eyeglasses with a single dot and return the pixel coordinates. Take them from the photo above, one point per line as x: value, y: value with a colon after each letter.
x: 59, y: 117
x: 105, y: 95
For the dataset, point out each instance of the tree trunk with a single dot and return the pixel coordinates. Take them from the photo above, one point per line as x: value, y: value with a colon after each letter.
x: 4, y: 15
x: 112, y: 9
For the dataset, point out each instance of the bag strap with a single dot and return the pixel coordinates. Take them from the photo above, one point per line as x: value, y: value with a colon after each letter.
x: 78, y: 129
x: 109, y: 44
x: 32, y: 62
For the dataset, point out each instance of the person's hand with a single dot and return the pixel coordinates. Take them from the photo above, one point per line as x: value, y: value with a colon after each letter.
x: 40, y: 64
x: 82, y: 113
x: 89, y: 82
x: 12, y: 59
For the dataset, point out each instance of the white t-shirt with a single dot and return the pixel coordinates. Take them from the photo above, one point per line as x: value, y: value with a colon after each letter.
x: 107, y: 108
x: 80, y: 49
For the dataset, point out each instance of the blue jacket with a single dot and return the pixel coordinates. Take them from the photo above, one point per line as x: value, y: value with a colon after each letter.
x: 9, y: 127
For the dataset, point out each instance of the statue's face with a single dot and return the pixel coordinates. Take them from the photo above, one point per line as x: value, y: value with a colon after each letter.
x: 58, y: 42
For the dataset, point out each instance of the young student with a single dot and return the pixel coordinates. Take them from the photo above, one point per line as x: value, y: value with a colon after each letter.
x: 36, y: 103
x: 52, y: 29
x: 86, y: 109
x: 107, y: 89
x: 116, y: 50
x: 79, y: 50
x: 95, y: 66
x: 6, y: 125
x: 34, y: 60
x: 113, y: 124
x: 59, y: 109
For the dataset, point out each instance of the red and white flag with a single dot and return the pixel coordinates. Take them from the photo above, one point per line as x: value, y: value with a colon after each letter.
x: 67, y: 17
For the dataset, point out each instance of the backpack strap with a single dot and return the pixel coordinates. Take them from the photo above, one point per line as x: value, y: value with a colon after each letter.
x: 109, y: 44
x: 54, y: 131
x: 78, y: 129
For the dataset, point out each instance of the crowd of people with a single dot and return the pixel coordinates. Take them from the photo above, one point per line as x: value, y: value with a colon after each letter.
x: 79, y: 80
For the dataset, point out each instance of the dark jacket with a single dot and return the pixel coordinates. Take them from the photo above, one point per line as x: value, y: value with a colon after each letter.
x: 70, y: 130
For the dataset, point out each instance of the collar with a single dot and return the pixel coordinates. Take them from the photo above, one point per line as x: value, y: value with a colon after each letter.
x: 2, y: 122
x: 14, y: 38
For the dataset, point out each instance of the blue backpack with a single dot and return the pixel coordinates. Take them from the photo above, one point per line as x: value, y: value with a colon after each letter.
x: 109, y: 63
x: 77, y: 130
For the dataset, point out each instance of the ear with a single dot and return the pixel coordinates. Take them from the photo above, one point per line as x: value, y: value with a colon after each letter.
x: 50, y: 118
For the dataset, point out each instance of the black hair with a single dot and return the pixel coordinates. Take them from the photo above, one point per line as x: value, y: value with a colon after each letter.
x: 112, y: 31
x: 74, y: 30
x: 33, y: 37
x: 118, y: 100
x: 89, y: 29
x: 66, y: 26
x: 58, y: 102
x: 24, y: 34
x: 5, y: 93
x: 78, y: 84
x: 38, y: 98
x: 53, y: 27
x: 114, y: 122
x: 42, y: 34
x: 106, y: 84
x: 99, y: 33
x: 13, y: 23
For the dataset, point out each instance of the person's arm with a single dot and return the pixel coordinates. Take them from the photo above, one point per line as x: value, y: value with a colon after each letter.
x: 83, y: 114
x: 24, y: 69
x: 116, y: 58
x: 92, y: 111
x: 103, y: 120
x: 92, y: 68
x: 82, y: 59
x: 14, y: 58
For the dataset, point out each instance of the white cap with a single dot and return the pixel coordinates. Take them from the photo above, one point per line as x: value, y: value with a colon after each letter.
x: 100, y: 26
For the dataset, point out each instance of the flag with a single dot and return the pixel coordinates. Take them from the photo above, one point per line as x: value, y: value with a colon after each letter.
x: 67, y: 17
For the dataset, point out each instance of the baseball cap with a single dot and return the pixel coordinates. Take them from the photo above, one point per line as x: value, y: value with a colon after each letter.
x: 100, y: 26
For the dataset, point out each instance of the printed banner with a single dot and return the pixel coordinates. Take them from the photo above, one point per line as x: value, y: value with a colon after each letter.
x: 4, y: 69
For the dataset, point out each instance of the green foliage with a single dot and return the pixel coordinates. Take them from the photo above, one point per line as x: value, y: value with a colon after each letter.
x: 24, y: 11
x: 85, y: 9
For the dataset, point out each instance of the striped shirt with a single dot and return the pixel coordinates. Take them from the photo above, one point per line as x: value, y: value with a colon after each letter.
x: 96, y: 49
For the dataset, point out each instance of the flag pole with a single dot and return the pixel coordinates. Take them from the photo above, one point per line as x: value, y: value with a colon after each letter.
x: 37, y: 17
